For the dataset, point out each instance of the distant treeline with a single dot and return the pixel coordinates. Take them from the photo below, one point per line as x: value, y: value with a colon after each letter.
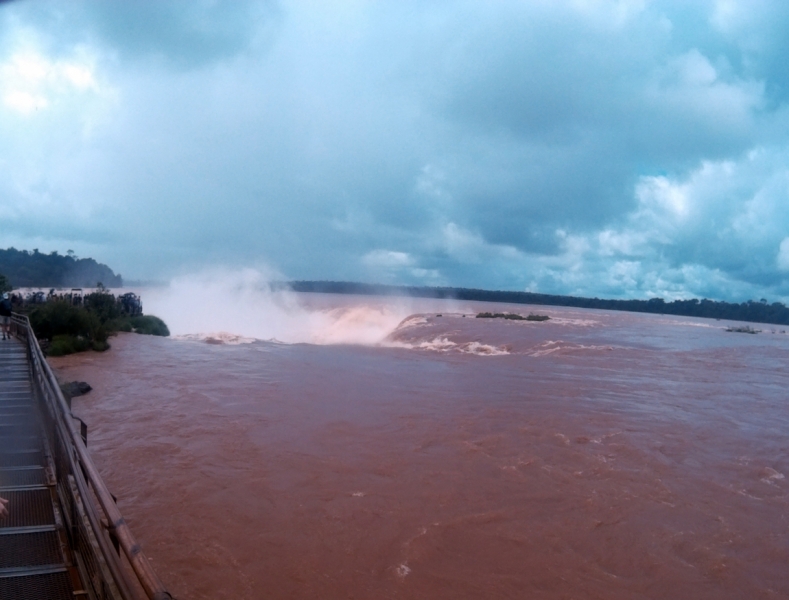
x: 756, y: 312
x: 22, y: 268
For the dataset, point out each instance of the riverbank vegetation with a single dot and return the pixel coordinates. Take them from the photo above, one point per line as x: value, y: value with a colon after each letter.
x: 64, y: 328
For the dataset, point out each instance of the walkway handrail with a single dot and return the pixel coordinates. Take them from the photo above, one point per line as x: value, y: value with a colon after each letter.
x: 97, y: 529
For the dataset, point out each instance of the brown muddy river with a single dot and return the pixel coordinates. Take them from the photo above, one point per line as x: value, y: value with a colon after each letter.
x: 596, y: 455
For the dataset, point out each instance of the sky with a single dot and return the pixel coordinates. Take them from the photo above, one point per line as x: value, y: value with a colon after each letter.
x: 619, y: 149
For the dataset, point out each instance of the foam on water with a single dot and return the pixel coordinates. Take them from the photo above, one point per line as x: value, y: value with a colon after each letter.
x: 574, y: 322
x: 414, y: 333
x: 770, y: 475
x: 221, y: 337
x: 483, y: 349
x: 694, y: 324
x: 561, y: 347
x: 443, y: 344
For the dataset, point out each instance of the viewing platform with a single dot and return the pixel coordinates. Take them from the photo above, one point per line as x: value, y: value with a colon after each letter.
x: 63, y: 537
x: 35, y: 559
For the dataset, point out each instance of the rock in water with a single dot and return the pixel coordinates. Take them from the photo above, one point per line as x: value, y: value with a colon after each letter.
x: 72, y: 389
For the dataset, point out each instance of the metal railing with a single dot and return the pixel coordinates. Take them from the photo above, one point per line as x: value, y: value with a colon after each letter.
x: 111, y: 562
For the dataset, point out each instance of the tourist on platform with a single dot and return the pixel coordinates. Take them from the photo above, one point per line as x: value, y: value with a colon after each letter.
x: 5, y: 315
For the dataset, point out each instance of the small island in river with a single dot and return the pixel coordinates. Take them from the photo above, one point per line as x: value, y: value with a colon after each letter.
x: 512, y: 316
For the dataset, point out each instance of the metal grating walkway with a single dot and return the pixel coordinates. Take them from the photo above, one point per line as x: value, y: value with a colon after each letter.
x: 34, y: 557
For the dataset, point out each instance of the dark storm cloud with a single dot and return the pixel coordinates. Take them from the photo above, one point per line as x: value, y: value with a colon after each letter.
x: 591, y: 147
x: 190, y: 32
x: 184, y: 34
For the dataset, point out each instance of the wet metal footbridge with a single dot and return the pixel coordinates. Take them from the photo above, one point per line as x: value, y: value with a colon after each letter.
x: 63, y: 537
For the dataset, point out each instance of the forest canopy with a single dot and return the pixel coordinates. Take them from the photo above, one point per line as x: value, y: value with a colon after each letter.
x: 23, y: 268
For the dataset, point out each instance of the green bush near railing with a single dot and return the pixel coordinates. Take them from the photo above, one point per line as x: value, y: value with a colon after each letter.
x: 68, y: 328
x: 68, y: 344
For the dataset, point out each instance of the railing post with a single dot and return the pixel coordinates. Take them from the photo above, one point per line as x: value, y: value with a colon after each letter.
x: 83, y: 429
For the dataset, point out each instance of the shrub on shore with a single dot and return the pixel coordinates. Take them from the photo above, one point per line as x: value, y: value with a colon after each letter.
x: 145, y: 324
x: 121, y: 324
x: 149, y: 325
x: 67, y: 344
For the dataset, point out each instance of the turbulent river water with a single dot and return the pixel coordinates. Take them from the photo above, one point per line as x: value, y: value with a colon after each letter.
x: 594, y: 455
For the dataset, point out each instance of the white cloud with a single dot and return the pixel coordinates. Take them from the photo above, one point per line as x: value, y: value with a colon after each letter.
x: 614, y: 14
x: 429, y: 276
x: 689, y: 88
x: 387, y: 259
x: 24, y: 102
x: 30, y: 81
x: 662, y: 198
x: 431, y: 183
x: 710, y: 233
x: 80, y: 76
x: 626, y: 243
x: 462, y: 244
x: 469, y: 247
x: 782, y: 259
